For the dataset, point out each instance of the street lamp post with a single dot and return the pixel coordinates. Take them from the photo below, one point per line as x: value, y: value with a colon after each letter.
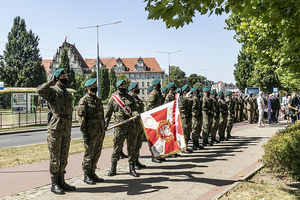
x: 98, y: 59
x: 169, y: 53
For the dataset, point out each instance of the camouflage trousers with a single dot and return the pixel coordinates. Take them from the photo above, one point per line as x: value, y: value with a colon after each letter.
x: 140, y: 138
x: 206, y: 126
x: 196, y: 127
x: 58, y: 145
x: 215, y: 126
x: 93, y: 146
x: 222, y: 125
x: 125, y: 131
x: 187, y: 128
x: 229, y: 124
x: 250, y: 115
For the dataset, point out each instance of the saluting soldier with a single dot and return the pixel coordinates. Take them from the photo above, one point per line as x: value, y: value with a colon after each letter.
x: 164, y: 92
x: 91, y: 116
x: 251, y: 101
x: 140, y: 135
x: 171, y: 94
x: 207, y: 116
x: 216, y: 116
x: 123, y: 106
x: 59, y: 128
x: 186, y: 103
x: 223, y: 115
x: 196, y: 118
x: 230, y: 117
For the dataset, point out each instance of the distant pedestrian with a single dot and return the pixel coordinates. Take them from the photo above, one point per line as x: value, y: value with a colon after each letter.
x: 271, y: 109
x: 276, y: 107
x: 261, y: 108
x: 293, y: 107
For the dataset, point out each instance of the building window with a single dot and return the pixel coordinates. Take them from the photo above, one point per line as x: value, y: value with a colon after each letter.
x: 127, y: 75
x: 148, y: 84
x: 143, y: 76
x: 153, y: 76
x: 148, y: 76
x: 131, y: 76
x: 143, y: 92
x: 138, y: 76
x: 158, y: 76
x: 143, y: 84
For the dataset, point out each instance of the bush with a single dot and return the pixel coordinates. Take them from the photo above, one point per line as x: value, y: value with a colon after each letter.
x: 282, y: 152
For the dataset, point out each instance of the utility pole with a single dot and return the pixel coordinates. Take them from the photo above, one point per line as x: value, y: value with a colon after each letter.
x: 98, y: 59
x: 169, y: 53
x: 205, y: 75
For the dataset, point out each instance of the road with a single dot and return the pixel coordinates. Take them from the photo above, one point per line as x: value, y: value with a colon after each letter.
x: 21, y: 139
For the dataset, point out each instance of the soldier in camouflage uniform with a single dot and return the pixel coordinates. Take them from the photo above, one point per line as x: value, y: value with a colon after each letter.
x: 241, y: 108
x: 216, y: 117
x: 196, y: 118
x: 164, y: 92
x: 230, y: 118
x: 59, y: 132
x: 155, y: 99
x: 207, y: 116
x: 223, y: 115
x: 91, y: 116
x: 236, y: 108
x: 140, y: 135
x: 125, y: 131
x: 171, y: 94
x: 251, y: 101
x: 186, y: 103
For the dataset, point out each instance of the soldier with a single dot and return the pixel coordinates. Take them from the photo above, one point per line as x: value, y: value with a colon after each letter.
x: 178, y: 90
x: 230, y: 118
x: 171, y: 94
x: 140, y: 135
x: 91, y: 115
x: 251, y: 108
x: 241, y: 108
x: 236, y: 108
x: 196, y: 118
x: 155, y: 99
x: 216, y: 117
x: 164, y: 92
x: 186, y: 103
x: 59, y: 132
x: 150, y: 88
x: 223, y: 115
x: 123, y: 106
x: 207, y: 116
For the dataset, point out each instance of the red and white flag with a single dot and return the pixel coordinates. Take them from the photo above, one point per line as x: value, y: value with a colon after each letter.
x: 163, y: 129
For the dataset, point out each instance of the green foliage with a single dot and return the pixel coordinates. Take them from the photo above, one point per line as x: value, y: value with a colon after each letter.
x: 21, y: 62
x: 178, y: 76
x: 282, y: 152
x: 113, y: 80
x: 104, y: 82
x: 124, y: 77
x: 196, y: 80
x: 65, y: 63
x: 80, y: 80
x: 5, y: 100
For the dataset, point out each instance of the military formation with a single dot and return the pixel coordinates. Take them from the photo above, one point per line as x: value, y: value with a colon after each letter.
x: 204, y: 114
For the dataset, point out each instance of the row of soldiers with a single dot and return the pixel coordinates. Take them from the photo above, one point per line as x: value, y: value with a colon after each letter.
x: 206, y: 111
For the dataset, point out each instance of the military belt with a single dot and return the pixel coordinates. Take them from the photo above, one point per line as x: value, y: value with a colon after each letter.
x: 89, y: 117
x: 62, y: 116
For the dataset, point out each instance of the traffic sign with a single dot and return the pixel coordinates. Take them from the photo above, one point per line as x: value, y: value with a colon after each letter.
x: 1, y: 85
x: 275, y: 90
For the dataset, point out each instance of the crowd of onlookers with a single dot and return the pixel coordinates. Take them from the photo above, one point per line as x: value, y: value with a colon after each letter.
x: 270, y: 108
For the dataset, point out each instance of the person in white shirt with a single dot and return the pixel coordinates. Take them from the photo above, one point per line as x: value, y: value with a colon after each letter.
x: 261, y: 107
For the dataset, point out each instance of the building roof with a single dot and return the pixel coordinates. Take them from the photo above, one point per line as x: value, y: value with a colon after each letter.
x: 47, y: 64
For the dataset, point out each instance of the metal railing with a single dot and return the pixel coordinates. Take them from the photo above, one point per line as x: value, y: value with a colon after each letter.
x: 10, y: 120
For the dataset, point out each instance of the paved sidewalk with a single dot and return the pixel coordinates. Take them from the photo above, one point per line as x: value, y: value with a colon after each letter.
x: 201, y: 175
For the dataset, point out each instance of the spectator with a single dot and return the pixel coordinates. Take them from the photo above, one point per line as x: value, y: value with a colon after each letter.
x: 293, y: 107
x: 271, y: 109
x: 261, y: 108
x: 276, y: 107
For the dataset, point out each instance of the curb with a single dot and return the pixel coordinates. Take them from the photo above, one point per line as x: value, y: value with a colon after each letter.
x: 244, y: 178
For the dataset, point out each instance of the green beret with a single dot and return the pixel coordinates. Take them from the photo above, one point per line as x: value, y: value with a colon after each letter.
x: 132, y: 86
x: 194, y: 89
x: 150, y: 88
x: 200, y: 93
x: 219, y: 93
x: 228, y: 93
x: 184, y: 87
x: 163, y: 89
x: 213, y: 91
x: 59, y: 72
x: 119, y: 82
x: 155, y: 81
x: 177, y: 90
x: 206, y: 90
x: 90, y: 82
x: 171, y: 84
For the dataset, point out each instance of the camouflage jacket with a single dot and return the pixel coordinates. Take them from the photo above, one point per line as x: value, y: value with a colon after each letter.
x: 155, y: 99
x: 114, y: 108
x: 223, y: 107
x: 59, y: 103
x: 197, y: 107
x: 216, y: 109
x: 230, y: 104
x: 91, y: 113
x: 139, y: 104
x: 207, y: 106
x: 186, y: 103
x: 170, y: 97
x: 250, y: 103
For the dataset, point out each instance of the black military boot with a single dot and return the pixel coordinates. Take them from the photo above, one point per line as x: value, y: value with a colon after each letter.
x: 55, y: 188
x: 88, y: 179
x: 96, y: 178
x: 123, y: 155
x: 228, y: 137
x: 156, y: 160
x: 222, y: 138
x: 132, y: 171
x: 138, y: 165
x: 214, y: 140
x: 64, y: 185
x: 113, y: 169
x: 206, y: 143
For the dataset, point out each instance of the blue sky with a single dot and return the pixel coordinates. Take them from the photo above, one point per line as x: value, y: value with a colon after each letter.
x: 204, y: 44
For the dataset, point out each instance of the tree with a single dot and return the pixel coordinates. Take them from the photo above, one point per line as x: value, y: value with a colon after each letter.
x: 65, y: 63
x: 112, y: 80
x: 178, y: 76
x: 104, y: 82
x: 80, y: 80
x: 196, y: 80
x: 21, y: 63
x: 124, y: 77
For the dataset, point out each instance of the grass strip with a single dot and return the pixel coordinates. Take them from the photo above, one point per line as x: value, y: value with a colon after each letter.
x: 13, y: 156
